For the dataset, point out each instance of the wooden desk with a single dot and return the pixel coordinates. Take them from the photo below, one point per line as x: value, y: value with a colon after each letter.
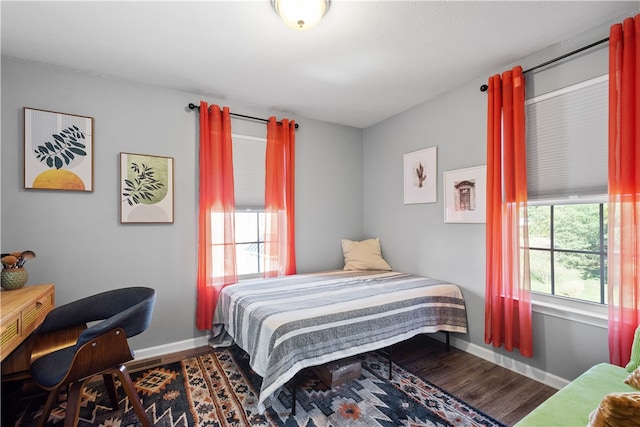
x: 22, y: 311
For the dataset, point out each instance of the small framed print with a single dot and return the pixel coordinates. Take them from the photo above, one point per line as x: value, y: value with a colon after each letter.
x: 146, y: 189
x: 420, y: 172
x: 58, y: 151
x: 465, y: 195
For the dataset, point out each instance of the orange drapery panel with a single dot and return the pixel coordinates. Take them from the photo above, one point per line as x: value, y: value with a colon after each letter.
x: 508, y: 289
x: 216, y: 234
x: 279, y: 199
x: 624, y: 188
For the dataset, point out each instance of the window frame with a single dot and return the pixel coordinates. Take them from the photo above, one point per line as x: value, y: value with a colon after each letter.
x: 582, y: 311
x: 259, y: 243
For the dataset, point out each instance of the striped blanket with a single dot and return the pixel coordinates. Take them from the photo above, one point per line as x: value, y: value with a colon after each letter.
x: 290, y: 323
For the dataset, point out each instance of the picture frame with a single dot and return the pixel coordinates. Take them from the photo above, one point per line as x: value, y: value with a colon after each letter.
x: 420, y: 176
x: 465, y: 195
x: 58, y: 151
x: 146, y: 189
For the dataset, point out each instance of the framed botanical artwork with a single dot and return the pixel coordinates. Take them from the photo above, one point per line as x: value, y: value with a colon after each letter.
x: 420, y: 172
x: 146, y: 189
x: 465, y: 195
x: 58, y: 151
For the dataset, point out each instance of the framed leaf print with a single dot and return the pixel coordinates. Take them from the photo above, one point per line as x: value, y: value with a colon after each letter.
x: 146, y: 189
x: 58, y: 151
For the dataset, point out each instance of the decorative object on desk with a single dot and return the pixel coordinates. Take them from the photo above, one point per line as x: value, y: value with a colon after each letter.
x: 465, y: 195
x: 146, y: 189
x: 58, y: 151
x: 14, y: 275
x: 219, y: 388
x: 420, y: 171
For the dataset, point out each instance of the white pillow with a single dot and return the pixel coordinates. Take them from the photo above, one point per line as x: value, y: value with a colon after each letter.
x: 364, y: 255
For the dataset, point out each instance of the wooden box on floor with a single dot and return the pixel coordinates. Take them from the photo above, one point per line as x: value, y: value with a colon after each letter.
x: 338, y: 372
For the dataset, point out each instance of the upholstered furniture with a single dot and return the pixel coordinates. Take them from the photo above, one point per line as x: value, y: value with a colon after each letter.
x: 286, y: 324
x: 604, y: 395
x: 101, y: 348
x: 572, y: 405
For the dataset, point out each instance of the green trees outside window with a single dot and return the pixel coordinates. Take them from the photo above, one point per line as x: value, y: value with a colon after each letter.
x: 568, y: 250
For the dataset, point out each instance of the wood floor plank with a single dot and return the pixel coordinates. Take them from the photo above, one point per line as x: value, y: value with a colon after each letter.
x: 503, y: 394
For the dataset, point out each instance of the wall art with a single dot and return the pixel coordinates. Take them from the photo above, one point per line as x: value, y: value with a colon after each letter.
x: 420, y: 172
x: 146, y: 189
x: 58, y: 151
x: 465, y: 197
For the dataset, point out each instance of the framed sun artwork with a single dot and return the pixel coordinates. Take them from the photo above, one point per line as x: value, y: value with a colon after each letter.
x: 58, y: 151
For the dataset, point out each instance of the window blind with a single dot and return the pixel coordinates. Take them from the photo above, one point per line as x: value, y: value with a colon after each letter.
x: 249, y: 171
x: 567, y: 141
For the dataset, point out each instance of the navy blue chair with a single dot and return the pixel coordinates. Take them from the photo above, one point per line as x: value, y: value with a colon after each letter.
x: 101, y: 349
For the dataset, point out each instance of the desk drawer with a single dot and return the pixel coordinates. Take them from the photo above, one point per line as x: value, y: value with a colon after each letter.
x: 33, y: 315
x: 10, y: 332
x: 22, y: 311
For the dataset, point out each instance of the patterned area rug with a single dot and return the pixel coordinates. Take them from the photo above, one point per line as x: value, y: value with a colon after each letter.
x: 219, y: 389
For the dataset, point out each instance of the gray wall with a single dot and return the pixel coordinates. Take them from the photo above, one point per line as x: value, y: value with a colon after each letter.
x: 348, y: 184
x: 415, y: 238
x: 79, y: 242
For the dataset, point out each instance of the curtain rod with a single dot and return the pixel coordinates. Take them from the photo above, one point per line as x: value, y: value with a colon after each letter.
x: 193, y: 106
x: 484, y: 88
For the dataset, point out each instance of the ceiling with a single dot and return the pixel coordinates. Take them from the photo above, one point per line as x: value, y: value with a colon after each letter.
x: 366, y: 60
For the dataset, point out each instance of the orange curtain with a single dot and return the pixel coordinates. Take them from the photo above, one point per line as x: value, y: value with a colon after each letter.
x: 508, y: 289
x: 280, y: 248
x: 624, y: 188
x: 216, y: 234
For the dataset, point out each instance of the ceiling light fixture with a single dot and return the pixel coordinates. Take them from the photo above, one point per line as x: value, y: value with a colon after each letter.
x: 301, y: 14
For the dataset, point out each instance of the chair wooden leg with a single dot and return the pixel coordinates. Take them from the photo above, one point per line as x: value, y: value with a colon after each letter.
x: 125, y: 379
x: 46, y: 410
x: 110, y: 385
x: 74, y: 398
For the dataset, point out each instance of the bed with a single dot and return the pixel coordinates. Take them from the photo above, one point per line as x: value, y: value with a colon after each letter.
x: 290, y: 323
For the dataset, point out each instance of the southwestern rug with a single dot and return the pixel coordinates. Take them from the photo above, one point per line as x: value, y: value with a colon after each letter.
x: 220, y: 389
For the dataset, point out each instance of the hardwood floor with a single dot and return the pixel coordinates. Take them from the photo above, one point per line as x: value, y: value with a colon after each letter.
x: 503, y: 394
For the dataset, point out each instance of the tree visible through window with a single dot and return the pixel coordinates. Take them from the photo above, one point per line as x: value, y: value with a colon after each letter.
x: 568, y: 250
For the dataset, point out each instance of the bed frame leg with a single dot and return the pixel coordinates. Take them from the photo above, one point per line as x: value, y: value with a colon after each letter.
x: 294, y: 388
x: 448, y: 335
x: 390, y: 361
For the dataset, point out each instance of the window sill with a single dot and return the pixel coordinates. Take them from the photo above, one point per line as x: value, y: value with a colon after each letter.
x: 577, y: 311
x: 248, y: 277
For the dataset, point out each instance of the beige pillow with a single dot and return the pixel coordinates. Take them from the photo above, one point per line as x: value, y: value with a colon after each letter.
x: 617, y: 409
x: 364, y: 255
x: 634, y: 379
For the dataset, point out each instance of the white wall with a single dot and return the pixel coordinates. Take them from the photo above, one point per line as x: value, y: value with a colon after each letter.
x: 79, y: 242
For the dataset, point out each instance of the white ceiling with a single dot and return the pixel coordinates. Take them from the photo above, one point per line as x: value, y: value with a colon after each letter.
x: 366, y: 61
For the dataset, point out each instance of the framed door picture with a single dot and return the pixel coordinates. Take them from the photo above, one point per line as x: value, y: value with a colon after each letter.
x: 58, y: 151
x: 420, y: 172
x: 465, y: 195
x: 146, y: 189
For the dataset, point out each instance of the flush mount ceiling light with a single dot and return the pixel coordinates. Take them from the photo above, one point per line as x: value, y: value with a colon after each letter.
x: 301, y: 14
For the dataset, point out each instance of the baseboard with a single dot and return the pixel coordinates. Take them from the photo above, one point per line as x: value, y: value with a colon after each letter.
x: 481, y: 352
x: 172, y: 347
x: 513, y: 365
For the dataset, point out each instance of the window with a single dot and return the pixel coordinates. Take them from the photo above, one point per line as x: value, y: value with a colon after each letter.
x: 568, y: 250
x: 249, y: 174
x: 249, y: 226
x: 567, y: 184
